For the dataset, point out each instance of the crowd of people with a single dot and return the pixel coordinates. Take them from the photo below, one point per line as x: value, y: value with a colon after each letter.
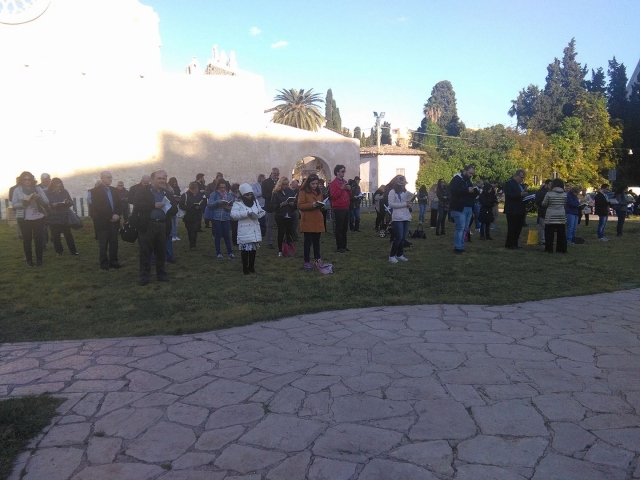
x: 242, y: 216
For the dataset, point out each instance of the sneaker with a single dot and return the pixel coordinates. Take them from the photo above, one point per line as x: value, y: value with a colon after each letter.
x: 219, y: 256
x: 307, y: 266
x: 231, y: 256
x: 458, y: 251
x: 393, y: 260
x: 604, y: 239
x: 178, y: 239
x: 279, y: 254
x: 402, y: 258
x: 174, y: 239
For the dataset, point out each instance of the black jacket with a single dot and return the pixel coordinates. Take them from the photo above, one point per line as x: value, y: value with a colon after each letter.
x: 193, y: 206
x: 101, y: 210
x: 280, y: 196
x: 540, y: 194
x: 144, y: 203
x: 513, y: 199
x: 460, y: 195
x: 267, y: 190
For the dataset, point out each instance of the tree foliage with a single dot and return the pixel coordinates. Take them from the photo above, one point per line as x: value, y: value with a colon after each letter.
x: 299, y: 109
x: 441, y: 108
x: 332, y: 113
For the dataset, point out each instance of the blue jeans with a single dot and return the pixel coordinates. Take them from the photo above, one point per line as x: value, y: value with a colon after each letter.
x: 423, y: 209
x: 354, y: 219
x: 572, y: 226
x: 462, y: 220
x: 476, y: 213
x: 222, y: 229
x: 169, y: 248
x: 174, y: 227
x: 400, y: 231
x: 602, y: 223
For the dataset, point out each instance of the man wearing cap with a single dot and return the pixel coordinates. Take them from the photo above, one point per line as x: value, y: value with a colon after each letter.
x: 463, y: 196
x: 106, y: 210
x: 340, y: 194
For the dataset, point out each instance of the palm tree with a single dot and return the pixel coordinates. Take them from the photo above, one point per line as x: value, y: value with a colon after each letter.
x: 299, y: 109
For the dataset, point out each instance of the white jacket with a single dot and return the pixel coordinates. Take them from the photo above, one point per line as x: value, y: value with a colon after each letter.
x: 400, y: 212
x: 248, y: 228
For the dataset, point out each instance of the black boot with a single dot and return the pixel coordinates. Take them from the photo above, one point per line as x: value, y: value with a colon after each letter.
x: 252, y: 261
x: 245, y: 261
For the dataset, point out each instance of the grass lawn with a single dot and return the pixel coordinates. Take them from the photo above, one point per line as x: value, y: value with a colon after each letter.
x: 21, y: 419
x: 71, y: 298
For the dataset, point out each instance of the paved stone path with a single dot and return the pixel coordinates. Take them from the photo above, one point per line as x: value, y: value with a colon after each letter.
x: 541, y: 390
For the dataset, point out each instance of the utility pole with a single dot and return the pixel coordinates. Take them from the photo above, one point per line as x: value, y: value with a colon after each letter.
x: 378, y: 131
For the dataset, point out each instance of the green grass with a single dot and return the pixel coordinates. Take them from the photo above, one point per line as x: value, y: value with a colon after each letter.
x: 21, y: 419
x: 71, y: 298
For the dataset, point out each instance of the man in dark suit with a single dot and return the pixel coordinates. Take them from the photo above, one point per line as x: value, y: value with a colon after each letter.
x: 153, y: 209
x: 514, y: 208
x: 106, y: 209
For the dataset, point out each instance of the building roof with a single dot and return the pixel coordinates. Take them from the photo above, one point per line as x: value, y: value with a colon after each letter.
x: 389, y: 150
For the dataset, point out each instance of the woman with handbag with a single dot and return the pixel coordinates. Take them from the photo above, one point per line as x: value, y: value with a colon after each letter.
x: 311, y: 220
x: 246, y: 211
x: 31, y: 205
x: 58, y: 221
x: 283, y: 201
x: 192, y: 203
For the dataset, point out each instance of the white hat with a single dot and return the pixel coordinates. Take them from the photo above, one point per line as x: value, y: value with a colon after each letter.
x: 246, y: 188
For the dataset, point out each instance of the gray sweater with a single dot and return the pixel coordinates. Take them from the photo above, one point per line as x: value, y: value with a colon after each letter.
x: 555, y: 201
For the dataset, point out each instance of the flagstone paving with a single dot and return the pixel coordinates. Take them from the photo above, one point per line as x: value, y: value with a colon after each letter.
x: 540, y: 390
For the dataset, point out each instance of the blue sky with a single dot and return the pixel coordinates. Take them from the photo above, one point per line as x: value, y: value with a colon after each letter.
x: 387, y: 56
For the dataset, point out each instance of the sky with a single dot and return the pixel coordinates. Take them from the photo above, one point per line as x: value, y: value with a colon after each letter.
x: 387, y: 56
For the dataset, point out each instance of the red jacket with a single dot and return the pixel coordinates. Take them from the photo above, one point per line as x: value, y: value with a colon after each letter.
x: 340, y: 199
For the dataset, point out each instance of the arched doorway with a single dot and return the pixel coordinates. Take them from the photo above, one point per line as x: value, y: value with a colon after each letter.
x: 311, y: 164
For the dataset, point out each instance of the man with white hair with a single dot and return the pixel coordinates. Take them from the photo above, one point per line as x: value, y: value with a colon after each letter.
x: 106, y: 210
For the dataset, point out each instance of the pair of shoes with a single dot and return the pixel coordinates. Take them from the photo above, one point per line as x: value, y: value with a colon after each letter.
x: 541, y: 243
x: 279, y: 254
x: 219, y: 256
x: 402, y: 258
x: 75, y: 254
x: 307, y: 266
x: 114, y: 265
x: 174, y: 239
x: 163, y: 279
x: 270, y: 245
x: 603, y: 239
x: 342, y: 250
x: 245, y: 270
x: 393, y: 259
x: 458, y: 251
x: 231, y: 256
x: 346, y: 249
x: 143, y: 281
x: 172, y: 260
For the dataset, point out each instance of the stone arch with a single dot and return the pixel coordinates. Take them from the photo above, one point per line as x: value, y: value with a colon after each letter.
x: 311, y: 164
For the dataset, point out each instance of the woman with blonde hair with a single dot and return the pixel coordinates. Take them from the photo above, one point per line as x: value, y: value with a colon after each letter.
x: 283, y: 202
x: 31, y: 205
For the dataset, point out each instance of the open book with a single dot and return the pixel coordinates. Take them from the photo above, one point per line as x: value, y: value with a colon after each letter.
x: 323, y: 203
x: 290, y: 199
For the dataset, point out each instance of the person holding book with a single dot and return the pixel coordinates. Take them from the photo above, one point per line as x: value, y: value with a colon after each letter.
x: 193, y: 202
x: 572, y: 210
x: 283, y: 203
x: 311, y: 204
x: 354, y: 206
x: 30, y: 203
x: 399, y: 201
x: 60, y: 202
x: 247, y: 212
x: 554, y: 203
x: 220, y: 202
x: 340, y: 194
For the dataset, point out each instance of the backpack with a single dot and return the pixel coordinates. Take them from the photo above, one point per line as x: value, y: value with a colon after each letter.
x: 325, y: 268
x: 418, y: 233
x: 128, y: 232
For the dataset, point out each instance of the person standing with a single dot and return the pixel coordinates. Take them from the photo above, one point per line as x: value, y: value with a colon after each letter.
x: 246, y: 211
x: 123, y: 193
x: 463, y: 196
x: 192, y: 202
x: 257, y: 194
x: 378, y: 204
x: 423, y: 202
x: 514, y: 208
x: 29, y: 202
x: 354, y: 206
x: 144, y: 183
x: 174, y: 189
x: 572, y: 210
x: 267, y: 190
x: 601, y: 208
x: 60, y: 202
x: 488, y: 199
x: 220, y: 203
x: 399, y: 201
x: 106, y: 209
x: 283, y: 202
x: 477, y: 205
x: 311, y: 220
x: 152, y: 214
x: 443, y: 194
x: 554, y: 203
x: 542, y: 210
x: 340, y: 195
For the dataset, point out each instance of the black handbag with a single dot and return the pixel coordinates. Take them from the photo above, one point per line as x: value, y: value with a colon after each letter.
x: 128, y: 232
x: 75, y: 221
x: 419, y: 233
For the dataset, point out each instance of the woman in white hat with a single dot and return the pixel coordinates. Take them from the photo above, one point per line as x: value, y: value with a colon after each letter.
x: 247, y: 213
x: 399, y: 202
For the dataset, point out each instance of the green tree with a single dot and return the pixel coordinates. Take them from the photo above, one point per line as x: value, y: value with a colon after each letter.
x: 357, y: 133
x: 385, y: 134
x: 299, y: 109
x: 524, y: 107
x: 597, y: 82
x: 617, y: 101
x: 441, y: 108
x: 332, y: 113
